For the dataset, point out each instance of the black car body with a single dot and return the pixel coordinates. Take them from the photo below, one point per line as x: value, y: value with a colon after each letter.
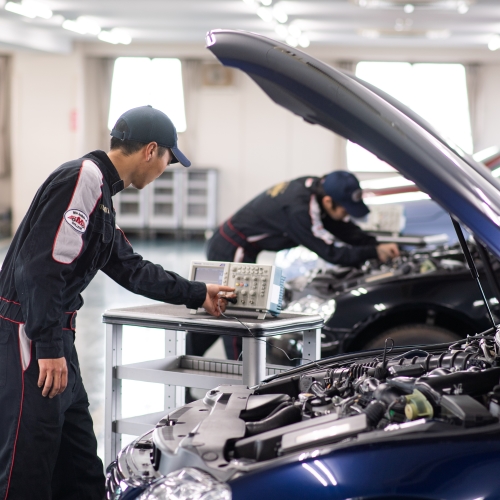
x: 426, y: 296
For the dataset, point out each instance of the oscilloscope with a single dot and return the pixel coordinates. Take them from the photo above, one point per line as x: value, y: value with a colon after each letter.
x: 257, y: 287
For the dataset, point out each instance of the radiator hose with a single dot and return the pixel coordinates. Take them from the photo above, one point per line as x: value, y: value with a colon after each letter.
x: 286, y: 416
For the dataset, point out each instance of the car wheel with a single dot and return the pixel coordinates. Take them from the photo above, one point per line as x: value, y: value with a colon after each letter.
x: 413, y: 335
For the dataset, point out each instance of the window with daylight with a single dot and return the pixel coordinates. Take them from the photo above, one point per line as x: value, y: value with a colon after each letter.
x: 138, y: 81
x: 437, y: 92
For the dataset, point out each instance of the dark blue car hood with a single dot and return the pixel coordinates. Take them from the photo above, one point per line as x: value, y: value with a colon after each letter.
x: 327, y: 97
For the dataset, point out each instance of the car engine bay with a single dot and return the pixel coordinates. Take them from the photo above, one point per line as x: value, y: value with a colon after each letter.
x: 346, y: 400
x: 329, y: 279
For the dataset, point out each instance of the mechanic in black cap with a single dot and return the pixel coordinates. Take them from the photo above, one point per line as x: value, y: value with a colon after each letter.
x: 308, y: 211
x: 47, y: 445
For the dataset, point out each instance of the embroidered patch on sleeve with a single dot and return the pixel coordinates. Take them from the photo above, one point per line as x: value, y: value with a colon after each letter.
x: 77, y: 219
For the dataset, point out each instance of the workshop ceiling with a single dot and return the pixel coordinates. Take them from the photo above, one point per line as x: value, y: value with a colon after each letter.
x: 383, y: 23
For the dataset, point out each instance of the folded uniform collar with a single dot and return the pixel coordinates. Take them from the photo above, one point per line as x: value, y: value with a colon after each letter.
x: 109, y: 171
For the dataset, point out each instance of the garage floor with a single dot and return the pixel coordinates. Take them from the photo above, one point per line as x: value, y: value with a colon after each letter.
x: 103, y: 293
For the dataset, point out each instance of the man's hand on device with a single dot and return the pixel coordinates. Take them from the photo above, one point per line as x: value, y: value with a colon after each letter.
x: 386, y: 251
x: 53, y: 376
x: 213, y: 303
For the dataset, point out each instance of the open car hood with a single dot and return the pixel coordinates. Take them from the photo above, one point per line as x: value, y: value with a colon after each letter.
x: 324, y: 96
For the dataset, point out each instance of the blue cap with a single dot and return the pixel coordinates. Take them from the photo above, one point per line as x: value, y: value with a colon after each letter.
x: 344, y: 189
x: 146, y: 124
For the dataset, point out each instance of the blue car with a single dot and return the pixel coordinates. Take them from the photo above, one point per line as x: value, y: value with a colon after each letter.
x: 392, y: 423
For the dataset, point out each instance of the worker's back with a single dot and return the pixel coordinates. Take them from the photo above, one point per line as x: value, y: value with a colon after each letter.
x: 272, y: 211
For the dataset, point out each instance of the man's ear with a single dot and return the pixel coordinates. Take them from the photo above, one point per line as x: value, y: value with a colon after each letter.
x: 327, y: 202
x: 150, y: 150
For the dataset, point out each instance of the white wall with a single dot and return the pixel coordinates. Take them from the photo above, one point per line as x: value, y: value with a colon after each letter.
x: 46, y: 92
x: 253, y: 142
x: 487, y: 126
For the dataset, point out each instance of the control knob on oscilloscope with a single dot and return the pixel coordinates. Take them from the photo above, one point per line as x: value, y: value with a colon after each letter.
x: 252, y: 292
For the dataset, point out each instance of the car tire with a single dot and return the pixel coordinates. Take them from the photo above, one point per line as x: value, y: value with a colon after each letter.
x: 414, y: 334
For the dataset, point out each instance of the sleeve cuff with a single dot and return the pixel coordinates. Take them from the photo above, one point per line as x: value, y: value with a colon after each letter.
x: 368, y: 252
x: 372, y: 253
x: 197, y: 294
x: 49, y: 350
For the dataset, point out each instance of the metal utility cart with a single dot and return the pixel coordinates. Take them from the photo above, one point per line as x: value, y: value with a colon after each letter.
x: 176, y: 370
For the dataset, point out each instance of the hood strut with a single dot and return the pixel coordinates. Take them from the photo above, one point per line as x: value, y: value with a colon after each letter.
x: 490, y: 273
x: 472, y: 267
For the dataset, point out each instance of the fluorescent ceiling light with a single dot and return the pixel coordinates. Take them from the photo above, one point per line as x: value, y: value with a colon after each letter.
x: 281, y: 30
x: 278, y: 18
x: 74, y: 26
x: 91, y: 27
x: 122, y: 36
x: 494, y: 43
x: 280, y: 15
x: 265, y: 14
x: 57, y: 20
x: 17, y: 8
x: 107, y: 36
x: 115, y: 36
x: 294, y: 30
x: 29, y: 8
x: 304, y: 41
x: 83, y: 26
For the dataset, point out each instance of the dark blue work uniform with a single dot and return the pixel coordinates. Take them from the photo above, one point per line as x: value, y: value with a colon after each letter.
x: 47, y: 446
x: 284, y: 216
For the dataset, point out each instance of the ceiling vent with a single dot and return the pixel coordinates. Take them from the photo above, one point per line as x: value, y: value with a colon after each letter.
x: 216, y: 75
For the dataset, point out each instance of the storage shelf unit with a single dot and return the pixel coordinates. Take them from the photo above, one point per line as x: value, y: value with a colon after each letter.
x: 164, y: 200
x: 131, y: 208
x: 180, y: 199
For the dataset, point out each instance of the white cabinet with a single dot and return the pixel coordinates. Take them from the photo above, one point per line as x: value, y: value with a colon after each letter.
x: 131, y: 209
x: 199, y: 192
x: 180, y: 199
x: 165, y: 201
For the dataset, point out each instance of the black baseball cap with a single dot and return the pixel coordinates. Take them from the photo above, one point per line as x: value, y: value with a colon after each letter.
x: 344, y: 189
x: 146, y: 124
